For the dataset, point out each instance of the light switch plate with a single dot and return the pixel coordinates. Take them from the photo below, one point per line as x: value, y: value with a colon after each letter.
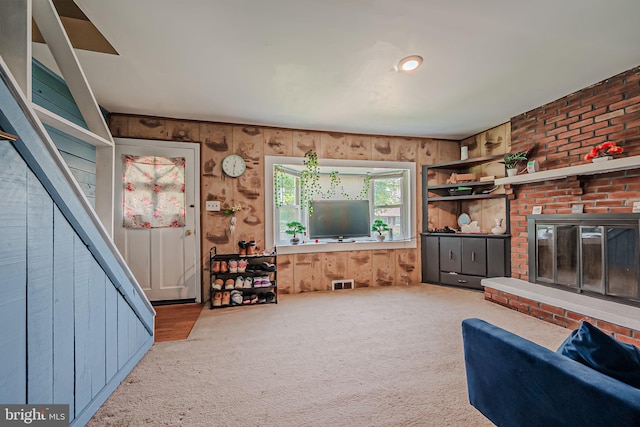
x: 212, y: 205
x: 636, y: 207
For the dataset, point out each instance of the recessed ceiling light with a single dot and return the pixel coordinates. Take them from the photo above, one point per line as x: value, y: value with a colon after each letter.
x: 410, y: 63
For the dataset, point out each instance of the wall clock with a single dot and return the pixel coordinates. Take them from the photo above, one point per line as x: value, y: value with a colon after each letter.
x: 234, y: 165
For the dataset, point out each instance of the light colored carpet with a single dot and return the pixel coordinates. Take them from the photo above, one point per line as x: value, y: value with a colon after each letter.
x: 365, y: 357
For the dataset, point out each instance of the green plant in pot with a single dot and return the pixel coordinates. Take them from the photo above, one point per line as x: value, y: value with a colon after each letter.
x: 511, y: 161
x: 293, y: 228
x: 379, y: 226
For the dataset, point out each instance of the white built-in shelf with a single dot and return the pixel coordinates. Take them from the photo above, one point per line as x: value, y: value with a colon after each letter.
x: 70, y: 128
x: 614, y: 165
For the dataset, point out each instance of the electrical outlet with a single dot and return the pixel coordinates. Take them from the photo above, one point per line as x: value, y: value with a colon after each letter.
x: 212, y: 205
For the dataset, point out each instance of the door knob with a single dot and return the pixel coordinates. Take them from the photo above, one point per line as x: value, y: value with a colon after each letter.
x: 188, y: 232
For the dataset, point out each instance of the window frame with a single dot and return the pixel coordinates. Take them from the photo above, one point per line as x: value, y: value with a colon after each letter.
x: 379, y: 169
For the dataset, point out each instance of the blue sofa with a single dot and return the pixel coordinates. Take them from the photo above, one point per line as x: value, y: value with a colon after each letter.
x: 515, y: 382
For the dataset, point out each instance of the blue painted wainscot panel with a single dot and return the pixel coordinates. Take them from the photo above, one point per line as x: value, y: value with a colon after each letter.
x: 51, y: 92
x: 73, y: 324
x: 13, y: 276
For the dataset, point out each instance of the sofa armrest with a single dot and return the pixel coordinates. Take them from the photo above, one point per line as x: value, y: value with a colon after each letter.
x: 515, y: 382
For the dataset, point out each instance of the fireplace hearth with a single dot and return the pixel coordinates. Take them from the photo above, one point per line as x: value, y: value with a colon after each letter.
x: 594, y: 254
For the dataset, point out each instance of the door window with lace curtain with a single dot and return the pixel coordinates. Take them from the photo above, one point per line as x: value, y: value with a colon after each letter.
x: 153, y: 195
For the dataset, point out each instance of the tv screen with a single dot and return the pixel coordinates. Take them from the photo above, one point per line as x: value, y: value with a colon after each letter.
x: 338, y: 219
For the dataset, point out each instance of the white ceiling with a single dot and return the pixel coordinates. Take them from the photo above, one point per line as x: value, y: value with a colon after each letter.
x: 329, y: 64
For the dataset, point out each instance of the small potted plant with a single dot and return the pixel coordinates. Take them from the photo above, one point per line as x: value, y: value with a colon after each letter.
x: 603, y: 152
x: 293, y: 228
x: 379, y: 226
x: 511, y: 161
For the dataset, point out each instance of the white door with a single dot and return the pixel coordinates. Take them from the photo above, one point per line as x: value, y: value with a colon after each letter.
x: 163, y: 260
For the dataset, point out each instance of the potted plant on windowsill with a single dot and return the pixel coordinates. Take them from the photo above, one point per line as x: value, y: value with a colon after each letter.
x: 293, y: 228
x: 379, y: 226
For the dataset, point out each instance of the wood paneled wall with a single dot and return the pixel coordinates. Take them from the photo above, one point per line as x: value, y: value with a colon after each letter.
x: 299, y: 272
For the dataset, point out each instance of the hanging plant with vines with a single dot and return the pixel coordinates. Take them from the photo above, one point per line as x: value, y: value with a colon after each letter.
x: 279, y: 179
x: 333, y: 185
x: 310, y: 186
x: 364, y: 192
x: 309, y: 181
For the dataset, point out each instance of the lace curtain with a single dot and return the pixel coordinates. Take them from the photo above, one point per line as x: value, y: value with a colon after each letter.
x: 153, y: 195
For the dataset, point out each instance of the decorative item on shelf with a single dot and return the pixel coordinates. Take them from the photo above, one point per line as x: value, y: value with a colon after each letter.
x: 533, y: 166
x: 445, y: 229
x: 490, y: 190
x: 460, y: 177
x: 498, y: 229
x: 472, y: 227
x: 464, y: 219
x: 293, y: 228
x: 464, y: 152
x: 602, y: 152
x: 461, y: 191
x: 512, y: 160
x: 379, y: 226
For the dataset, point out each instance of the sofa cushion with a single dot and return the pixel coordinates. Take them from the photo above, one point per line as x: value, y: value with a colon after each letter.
x: 594, y: 348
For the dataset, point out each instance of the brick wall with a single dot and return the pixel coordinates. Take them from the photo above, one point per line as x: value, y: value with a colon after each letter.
x: 558, y: 315
x: 565, y: 131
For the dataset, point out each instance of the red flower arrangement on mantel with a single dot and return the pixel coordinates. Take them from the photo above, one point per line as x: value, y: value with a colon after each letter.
x: 603, y: 150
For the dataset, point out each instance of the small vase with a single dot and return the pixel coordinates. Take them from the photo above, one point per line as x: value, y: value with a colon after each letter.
x: 294, y: 241
x: 498, y: 229
x: 601, y: 159
x: 380, y: 238
x: 512, y: 172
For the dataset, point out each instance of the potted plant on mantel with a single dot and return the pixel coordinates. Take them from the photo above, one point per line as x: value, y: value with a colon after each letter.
x: 511, y: 160
x: 379, y: 226
x: 603, y: 152
x: 293, y: 228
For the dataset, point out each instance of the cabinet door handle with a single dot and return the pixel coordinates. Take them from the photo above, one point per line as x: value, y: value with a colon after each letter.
x: 462, y: 281
x: 450, y: 254
x: 473, y: 257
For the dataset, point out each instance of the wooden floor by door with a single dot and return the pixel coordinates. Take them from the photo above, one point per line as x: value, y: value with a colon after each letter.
x: 174, y: 322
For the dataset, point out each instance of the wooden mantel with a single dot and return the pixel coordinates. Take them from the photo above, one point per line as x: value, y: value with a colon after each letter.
x: 614, y: 165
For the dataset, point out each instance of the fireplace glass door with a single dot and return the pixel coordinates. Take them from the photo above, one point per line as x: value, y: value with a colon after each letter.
x: 545, y: 253
x: 593, y: 255
x: 592, y: 263
x: 622, y: 262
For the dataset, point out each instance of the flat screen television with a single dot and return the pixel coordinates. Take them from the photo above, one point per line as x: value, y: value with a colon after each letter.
x: 339, y: 219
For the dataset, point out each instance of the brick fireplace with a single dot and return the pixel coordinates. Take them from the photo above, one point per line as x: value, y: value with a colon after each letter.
x: 565, y: 131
